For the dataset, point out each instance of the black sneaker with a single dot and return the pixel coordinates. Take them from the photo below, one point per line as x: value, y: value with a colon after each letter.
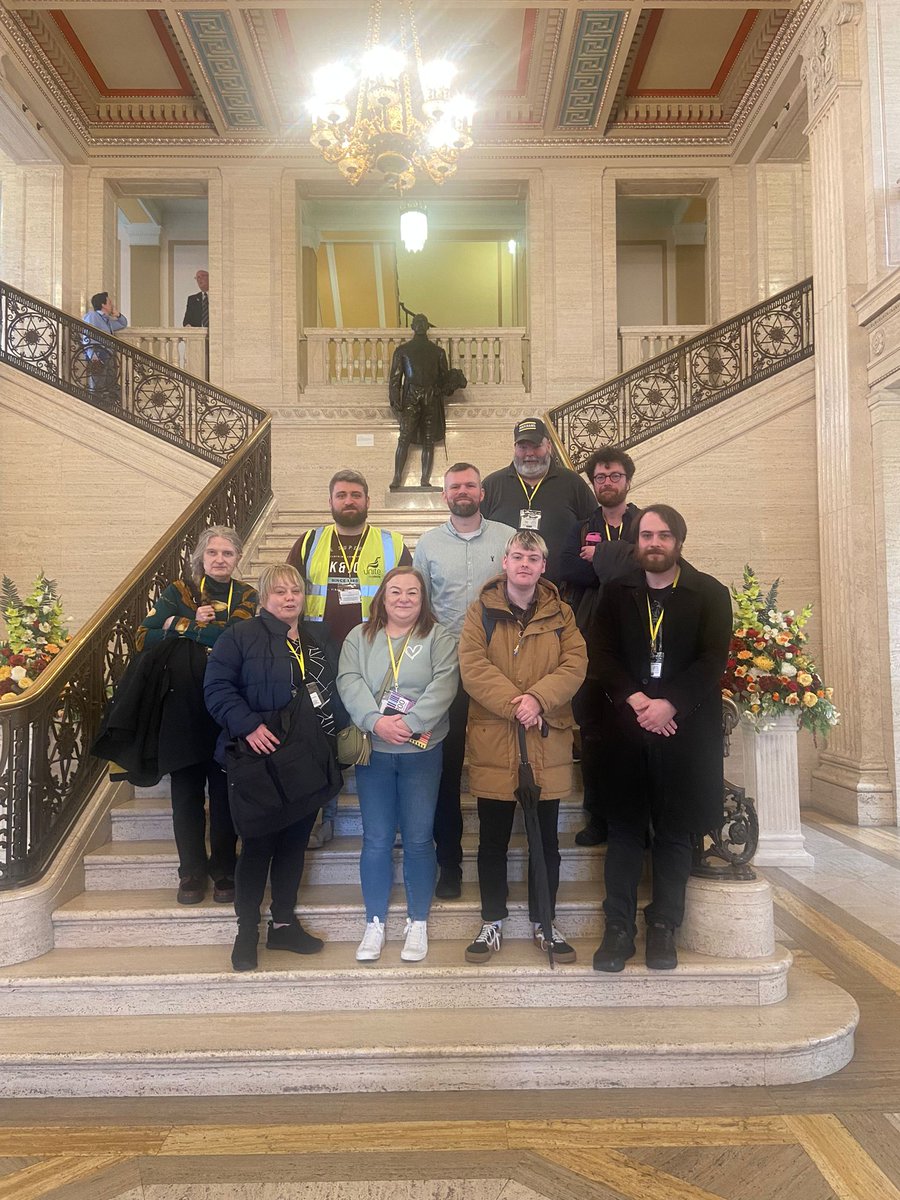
x: 449, y: 884
x: 593, y: 834
x: 661, y: 954
x: 615, y: 949
x: 562, y: 951
x: 489, y: 940
x: 293, y: 937
x: 243, y: 954
x: 223, y: 891
x: 191, y: 889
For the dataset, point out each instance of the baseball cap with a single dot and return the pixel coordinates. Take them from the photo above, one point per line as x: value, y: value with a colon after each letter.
x: 532, y: 429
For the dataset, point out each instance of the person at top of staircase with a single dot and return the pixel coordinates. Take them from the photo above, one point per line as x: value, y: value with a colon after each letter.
x: 343, y: 564
x: 200, y: 610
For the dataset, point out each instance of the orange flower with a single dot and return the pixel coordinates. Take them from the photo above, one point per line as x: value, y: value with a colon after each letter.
x: 783, y: 639
x: 745, y: 654
x: 775, y: 696
x: 740, y: 672
x: 760, y: 644
x: 792, y: 699
x: 51, y: 649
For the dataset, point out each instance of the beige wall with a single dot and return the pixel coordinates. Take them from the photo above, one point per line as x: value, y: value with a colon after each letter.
x: 84, y: 495
x: 145, y: 305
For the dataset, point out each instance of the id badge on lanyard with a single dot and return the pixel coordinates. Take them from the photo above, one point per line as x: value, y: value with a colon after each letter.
x: 530, y: 518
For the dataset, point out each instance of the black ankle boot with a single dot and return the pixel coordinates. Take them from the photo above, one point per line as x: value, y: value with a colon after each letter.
x: 615, y: 949
x: 660, y: 952
x: 243, y: 954
x: 293, y: 937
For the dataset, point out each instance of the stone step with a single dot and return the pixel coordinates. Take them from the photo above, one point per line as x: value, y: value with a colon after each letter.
x: 334, y: 911
x: 805, y: 1036
x: 149, y: 818
x: 199, y: 979
x: 137, y: 865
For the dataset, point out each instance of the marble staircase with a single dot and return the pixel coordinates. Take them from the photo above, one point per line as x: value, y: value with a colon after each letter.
x: 137, y: 996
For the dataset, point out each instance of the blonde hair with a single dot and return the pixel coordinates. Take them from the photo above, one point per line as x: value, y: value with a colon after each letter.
x: 528, y: 540
x: 278, y: 573
x: 214, y: 531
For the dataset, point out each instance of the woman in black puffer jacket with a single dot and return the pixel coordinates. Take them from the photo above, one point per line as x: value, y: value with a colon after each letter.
x: 270, y: 664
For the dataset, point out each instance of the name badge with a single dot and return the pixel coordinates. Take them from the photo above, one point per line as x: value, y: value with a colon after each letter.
x: 349, y: 595
x: 656, y: 665
x: 395, y: 702
x: 530, y: 518
x: 315, y: 695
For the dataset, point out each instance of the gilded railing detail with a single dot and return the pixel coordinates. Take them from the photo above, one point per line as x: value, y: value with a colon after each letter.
x: 147, y: 392
x: 690, y: 377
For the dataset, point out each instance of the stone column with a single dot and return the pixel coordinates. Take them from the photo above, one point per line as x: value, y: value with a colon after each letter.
x: 772, y: 778
x: 252, y: 252
x: 31, y: 231
x: 780, y: 195
x: 884, y: 408
x: 852, y: 780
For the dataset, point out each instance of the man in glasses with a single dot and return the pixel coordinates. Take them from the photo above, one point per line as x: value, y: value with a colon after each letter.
x: 597, y: 551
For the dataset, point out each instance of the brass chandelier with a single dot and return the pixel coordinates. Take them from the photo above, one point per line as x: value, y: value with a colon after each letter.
x: 406, y: 123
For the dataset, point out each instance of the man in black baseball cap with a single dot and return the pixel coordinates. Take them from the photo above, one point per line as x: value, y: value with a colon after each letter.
x: 535, y: 493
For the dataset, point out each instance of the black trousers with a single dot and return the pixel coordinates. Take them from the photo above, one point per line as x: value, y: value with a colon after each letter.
x: 189, y: 820
x: 586, y: 706
x: 448, y: 822
x: 670, y: 856
x: 495, y: 818
x: 280, y: 854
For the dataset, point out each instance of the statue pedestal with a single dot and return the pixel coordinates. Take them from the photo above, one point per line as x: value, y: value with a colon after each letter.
x: 407, y: 499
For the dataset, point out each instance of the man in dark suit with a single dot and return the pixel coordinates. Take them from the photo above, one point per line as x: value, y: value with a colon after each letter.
x: 197, y: 311
x: 659, y: 645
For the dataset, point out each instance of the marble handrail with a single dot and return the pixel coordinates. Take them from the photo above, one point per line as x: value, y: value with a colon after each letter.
x: 182, y: 348
x: 345, y: 357
x: 638, y: 343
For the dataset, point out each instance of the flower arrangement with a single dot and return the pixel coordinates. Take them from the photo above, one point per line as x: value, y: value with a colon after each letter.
x: 36, y: 633
x: 769, y: 673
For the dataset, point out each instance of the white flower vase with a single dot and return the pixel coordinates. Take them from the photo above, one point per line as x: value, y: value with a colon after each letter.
x: 772, y: 779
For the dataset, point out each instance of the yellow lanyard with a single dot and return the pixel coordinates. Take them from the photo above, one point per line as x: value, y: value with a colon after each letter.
x: 395, y: 663
x: 351, y: 565
x: 228, y: 602
x: 654, y: 629
x: 529, y: 496
x: 609, y: 536
x: 297, y: 652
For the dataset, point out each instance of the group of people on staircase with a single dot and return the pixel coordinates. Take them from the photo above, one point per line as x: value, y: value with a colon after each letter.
x: 542, y: 601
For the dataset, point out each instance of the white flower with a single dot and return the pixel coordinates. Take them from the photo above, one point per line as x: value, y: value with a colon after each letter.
x: 789, y: 656
x: 788, y: 669
x: 17, y: 673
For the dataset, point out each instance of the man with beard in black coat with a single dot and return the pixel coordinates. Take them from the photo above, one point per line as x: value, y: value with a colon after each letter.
x: 660, y: 645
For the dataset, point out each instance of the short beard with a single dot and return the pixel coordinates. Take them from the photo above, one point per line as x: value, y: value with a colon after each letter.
x: 464, y: 508
x: 657, y: 566
x: 351, y: 520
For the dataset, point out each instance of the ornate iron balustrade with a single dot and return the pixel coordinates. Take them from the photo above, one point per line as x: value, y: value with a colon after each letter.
x: 47, y: 773
x: 735, y: 841
x: 689, y: 378
x: 145, y: 391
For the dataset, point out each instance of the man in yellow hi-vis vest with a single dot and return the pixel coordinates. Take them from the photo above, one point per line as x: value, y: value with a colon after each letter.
x: 343, y: 564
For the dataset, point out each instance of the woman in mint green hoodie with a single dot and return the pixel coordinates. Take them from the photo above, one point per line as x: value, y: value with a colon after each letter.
x: 398, y: 676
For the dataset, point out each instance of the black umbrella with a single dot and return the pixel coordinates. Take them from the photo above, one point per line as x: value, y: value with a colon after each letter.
x: 528, y: 794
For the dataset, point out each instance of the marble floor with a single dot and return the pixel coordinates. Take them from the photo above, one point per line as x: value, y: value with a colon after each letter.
x: 835, y: 1139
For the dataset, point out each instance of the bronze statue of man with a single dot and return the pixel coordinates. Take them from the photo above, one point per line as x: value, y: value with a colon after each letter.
x: 418, y: 383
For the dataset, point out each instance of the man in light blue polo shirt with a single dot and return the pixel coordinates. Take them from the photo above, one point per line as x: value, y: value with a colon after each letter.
x: 456, y: 560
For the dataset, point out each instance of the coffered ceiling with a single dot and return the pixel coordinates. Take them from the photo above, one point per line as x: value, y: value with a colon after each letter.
x: 128, y: 72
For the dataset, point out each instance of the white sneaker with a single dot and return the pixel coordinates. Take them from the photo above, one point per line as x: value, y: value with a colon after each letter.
x: 416, y: 945
x: 369, y: 949
x: 323, y: 831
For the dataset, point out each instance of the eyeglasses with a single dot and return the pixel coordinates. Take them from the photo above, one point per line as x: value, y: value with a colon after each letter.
x: 613, y: 477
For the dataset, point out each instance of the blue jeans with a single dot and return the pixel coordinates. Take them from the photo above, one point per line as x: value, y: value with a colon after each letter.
x: 399, y: 789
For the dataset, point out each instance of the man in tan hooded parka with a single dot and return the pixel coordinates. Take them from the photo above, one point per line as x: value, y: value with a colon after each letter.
x: 521, y: 659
